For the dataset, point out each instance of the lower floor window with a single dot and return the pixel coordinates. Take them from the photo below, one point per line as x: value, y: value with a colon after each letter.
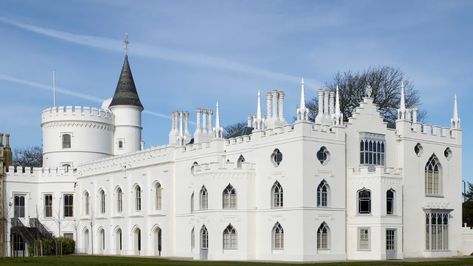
x: 436, y: 231
x: 364, y: 239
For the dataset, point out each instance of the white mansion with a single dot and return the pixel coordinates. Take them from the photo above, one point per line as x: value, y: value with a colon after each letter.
x: 306, y: 191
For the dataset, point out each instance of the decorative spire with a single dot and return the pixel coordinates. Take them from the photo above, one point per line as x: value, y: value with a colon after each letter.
x: 125, y: 93
x: 302, y: 101
x: 302, y: 111
x: 218, y: 131
x: 337, y: 103
x: 403, y: 98
x: 455, y: 122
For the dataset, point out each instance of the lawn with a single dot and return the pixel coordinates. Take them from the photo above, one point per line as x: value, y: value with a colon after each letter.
x: 135, y: 261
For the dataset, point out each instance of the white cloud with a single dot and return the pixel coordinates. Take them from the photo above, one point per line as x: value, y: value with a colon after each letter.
x: 151, y: 51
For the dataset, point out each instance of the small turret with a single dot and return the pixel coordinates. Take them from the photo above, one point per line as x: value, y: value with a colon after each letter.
x: 126, y: 107
x: 338, y: 116
x: 218, y: 130
x: 302, y: 111
x: 455, y: 121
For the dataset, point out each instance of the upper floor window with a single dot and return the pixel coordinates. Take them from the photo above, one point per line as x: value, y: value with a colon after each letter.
x: 120, y: 144
x: 158, y: 196
x: 66, y: 141
x: 390, y: 201
x: 119, y: 200
x: 229, y: 197
x: 276, y: 157
x: 48, y: 205
x: 138, y: 198
x: 432, y: 176
x: 322, y: 194
x: 192, y: 202
x: 278, y: 236
x: 364, y: 201
x: 68, y: 205
x: 102, y: 201
x: 372, y: 149
x: 240, y: 161
x: 86, y: 203
x: 323, y: 155
x: 277, y: 195
x: 418, y: 149
x: 204, y: 198
x: 19, y: 202
x: 448, y: 153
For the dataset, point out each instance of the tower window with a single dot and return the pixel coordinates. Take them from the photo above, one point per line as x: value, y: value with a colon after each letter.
x: 276, y: 157
x: 418, y: 149
x: 448, y: 153
x: 323, y: 156
x: 66, y: 141
x: 120, y: 144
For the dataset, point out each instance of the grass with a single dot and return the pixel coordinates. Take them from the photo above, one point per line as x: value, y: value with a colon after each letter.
x: 137, y: 261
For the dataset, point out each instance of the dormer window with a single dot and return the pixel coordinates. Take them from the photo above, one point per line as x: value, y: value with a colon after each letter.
x: 372, y: 149
x: 66, y: 141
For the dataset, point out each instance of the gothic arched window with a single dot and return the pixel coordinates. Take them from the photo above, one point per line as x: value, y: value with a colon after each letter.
x: 278, y: 236
x: 277, y: 196
x: 204, y: 198
x: 323, y: 233
x: 230, y: 240
x: 322, y: 194
x: 229, y: 197
x: 433, y: 176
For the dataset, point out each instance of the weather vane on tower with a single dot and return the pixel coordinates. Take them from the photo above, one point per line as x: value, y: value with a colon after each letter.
x: 126, y: 43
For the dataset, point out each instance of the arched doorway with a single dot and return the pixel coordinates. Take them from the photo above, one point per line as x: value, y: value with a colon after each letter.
x: 157, y: 241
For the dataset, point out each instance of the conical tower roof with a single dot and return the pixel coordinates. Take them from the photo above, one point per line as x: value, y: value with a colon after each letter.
x: 126, y: 93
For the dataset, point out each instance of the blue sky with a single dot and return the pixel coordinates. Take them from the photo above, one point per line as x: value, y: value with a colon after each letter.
x: 189, y: 54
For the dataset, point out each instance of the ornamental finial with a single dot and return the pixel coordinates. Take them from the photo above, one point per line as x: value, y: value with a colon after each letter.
x: 126, y: 43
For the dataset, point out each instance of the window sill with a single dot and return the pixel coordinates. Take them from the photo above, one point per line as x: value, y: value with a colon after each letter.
x: 434, y: 196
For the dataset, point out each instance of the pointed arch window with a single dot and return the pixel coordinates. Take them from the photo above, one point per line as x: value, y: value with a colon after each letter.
x: 204, y: 238
x: 204, y: 198
x: 229, y: 197
x: 390, y: 202
x: 192, y: 202
x: 323, y: 236
x: 158, y: 196
x: 192, y: 239
x: 433, y: 171
x: 138, y: 198
x: 277, y: 236
x: 364, y: 201
x: 240, y: 161
x: 322, y: 194
x: 102, y: 201
x: 277, y: 196
x: 119, y: 200
x: 86, y: 203
x: 230, y: 240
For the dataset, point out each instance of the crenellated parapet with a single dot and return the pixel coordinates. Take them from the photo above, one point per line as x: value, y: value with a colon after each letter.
x: 29, y: 172
x: 76, y: 114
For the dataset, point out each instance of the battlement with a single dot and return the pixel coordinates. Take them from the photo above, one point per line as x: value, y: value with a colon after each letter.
x: 218, y: 167
x: 22, y: 171
x: 76, y: 113
x: 128, y: 160
x: 433, y: 130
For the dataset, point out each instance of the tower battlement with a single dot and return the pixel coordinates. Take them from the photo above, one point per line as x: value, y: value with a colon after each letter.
x: 76, y: 113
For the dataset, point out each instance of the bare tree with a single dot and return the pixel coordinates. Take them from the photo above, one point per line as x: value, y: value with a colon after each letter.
x: 237, y: 129
x: 386, y: 83
x: 30, y: 156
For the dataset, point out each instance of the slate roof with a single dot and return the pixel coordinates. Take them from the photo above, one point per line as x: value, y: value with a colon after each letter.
x: 125, y: 93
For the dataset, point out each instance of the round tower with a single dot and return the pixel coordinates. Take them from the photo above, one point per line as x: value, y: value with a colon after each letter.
x: 75, y: 135
x: 126, y: 107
